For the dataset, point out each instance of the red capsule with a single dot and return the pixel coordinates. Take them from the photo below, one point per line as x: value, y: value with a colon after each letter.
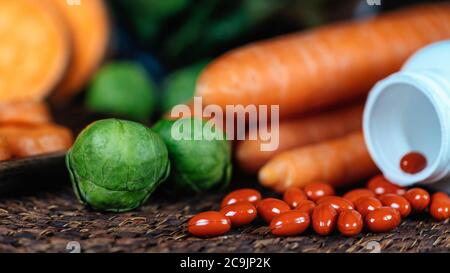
x: 240, y: 214
x: 355, y: 194
x: 317, y: 190
x: 306, y: 206
x: 396, y: 202
x: 350, y: 222
x: 289, y: 223
x: 324, y: 219
x: 383, y: 219
x: 209, y: 223
x: 242, y: 195
x: 440, y: 195
x: 268, y: 208
x: 440, y: 206
x: 293, y: 196
x: 413, y: 162
x: 418, y: 198
x: 380, y: 185
x: 440, y: 210
x: 365, y: 204
x: 337, y: 202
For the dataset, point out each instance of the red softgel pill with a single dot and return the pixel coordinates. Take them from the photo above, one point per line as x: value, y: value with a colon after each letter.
x: 241, y: 195
x: 268, y: 208
x: 290, y: 223
x: 413, y: 162
x: 209, y: 223
x: 240, y: 214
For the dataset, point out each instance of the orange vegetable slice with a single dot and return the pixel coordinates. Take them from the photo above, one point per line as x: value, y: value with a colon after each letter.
x: 24, y: 112
x: 89, y: 30
x: 27, y: 141
x: 34, y: 49
x: 5, y: 152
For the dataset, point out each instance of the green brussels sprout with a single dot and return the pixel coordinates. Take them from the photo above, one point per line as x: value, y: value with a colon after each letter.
x: 115, y: 164
x: 196, y: 165
x: 180, y: 85
x: 123, y: 89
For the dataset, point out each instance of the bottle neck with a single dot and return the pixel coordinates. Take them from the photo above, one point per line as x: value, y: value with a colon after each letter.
x: 440, y: 90
x: 410, y: 111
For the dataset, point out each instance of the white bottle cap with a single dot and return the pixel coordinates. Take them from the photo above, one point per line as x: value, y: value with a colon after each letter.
x: 410, y: 111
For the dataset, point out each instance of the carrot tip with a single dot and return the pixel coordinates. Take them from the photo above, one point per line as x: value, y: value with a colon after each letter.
x: 267, y: 176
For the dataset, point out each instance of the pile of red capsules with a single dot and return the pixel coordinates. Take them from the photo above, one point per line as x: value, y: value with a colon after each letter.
x: 379, y: 207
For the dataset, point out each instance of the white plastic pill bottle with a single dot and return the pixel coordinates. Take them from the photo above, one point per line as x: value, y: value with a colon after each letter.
x: 410, y: 111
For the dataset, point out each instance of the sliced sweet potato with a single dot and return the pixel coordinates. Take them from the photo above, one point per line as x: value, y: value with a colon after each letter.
x: 34, y: 49
x: 5, y: 152
x: 89, y: 29
x: 24, y: 112
x: 25, y: 141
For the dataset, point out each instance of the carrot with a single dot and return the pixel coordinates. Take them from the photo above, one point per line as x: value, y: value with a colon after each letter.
x: 5, y: 152
x: 325, y: 66
x: 27, y: 141
x: 34, y: 49
x: 300, y: 132
x: 89, y: 30
x: 339, y: 162
x: 24, y: 112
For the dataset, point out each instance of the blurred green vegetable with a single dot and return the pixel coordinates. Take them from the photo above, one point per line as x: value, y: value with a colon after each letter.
x: 122, y: 88
x: 115, y: 164
x: 189, y: 34
x: 196, y: 165
x: 212, y: 23
x: 241, y: 20
x: 179, y: 86
x: 183, y: 31
x: 146, y: 16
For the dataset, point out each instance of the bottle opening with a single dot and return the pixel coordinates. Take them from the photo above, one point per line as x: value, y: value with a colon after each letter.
x: 399, y: 118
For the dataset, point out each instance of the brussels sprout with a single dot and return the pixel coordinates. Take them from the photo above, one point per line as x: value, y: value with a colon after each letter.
x: 196, y: 165
x: 115, y: 164
x: 123, y: 89
x: 180, y: 85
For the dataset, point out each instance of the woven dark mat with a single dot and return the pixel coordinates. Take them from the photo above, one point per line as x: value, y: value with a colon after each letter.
x: 47, y: 222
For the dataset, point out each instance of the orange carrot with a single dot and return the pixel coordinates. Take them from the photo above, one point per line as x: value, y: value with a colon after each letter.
x: 5, y: 152
x: 24, y: 112
x: 89, y: 30
x: 325, y: 66
x: 27, y: 141
x: 339, y: 162
x: 300, y: 132
x: 34, y: 49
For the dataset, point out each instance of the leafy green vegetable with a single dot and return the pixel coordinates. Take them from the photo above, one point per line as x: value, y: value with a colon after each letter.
x: 146, y: 16
x: 213, y: 25
x: 197, y: 165
x: 115, y: 164
x: 189, y: 34
x: 180, y: 85
x: 240, y: 20
x: 122, y: 88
